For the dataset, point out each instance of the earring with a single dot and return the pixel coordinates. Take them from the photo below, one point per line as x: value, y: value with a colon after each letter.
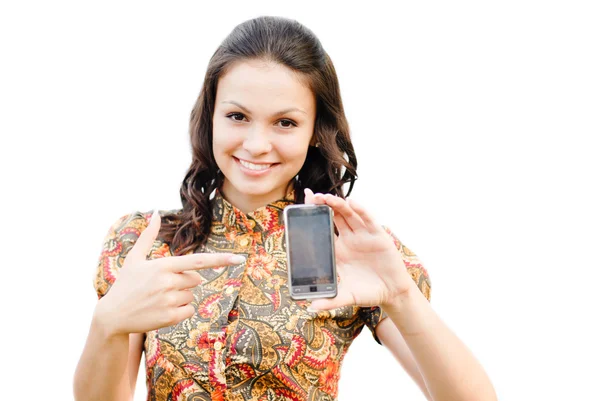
x: 317, y: 145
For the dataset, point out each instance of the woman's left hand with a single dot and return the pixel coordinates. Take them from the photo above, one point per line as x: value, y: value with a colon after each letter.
x: 370, y: 268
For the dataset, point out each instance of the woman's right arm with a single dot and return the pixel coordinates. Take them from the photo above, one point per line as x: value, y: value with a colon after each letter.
x: 109, y: 364
x: 144, y: 295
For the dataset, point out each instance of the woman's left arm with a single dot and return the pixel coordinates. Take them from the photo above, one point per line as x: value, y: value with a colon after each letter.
x: 390, y: 337
x: 449, y: 370
x: 372, y: 273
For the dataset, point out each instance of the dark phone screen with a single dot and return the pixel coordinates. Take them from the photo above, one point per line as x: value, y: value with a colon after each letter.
x: 310, y: 242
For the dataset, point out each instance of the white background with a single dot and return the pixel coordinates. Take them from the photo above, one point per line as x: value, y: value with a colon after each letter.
x: 476, y: 126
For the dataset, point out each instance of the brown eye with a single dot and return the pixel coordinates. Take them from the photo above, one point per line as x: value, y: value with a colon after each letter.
x: 287, y: 123
x: 236, y: 116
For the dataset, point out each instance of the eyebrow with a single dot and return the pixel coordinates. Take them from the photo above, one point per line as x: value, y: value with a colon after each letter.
x: 276, y: 114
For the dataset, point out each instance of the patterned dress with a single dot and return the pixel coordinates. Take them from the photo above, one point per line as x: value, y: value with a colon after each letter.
x: 248, y: 340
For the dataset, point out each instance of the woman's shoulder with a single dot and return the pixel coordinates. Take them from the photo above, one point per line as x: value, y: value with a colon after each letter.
x: 132, y: 220
x: 138, y: 220
x: 120, y: 238
x: 406, y: 252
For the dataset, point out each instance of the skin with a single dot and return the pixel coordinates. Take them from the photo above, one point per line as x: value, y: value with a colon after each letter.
x: 248, y: 125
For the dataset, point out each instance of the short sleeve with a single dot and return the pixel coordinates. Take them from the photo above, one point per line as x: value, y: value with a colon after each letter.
x: 372, y: 316
x: 119, y: 239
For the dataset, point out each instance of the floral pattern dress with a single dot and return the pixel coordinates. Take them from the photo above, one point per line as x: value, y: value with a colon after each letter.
x: 248, y: 340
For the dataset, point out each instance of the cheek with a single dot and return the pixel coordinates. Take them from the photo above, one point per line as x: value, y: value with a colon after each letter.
x: 293, y: 152
x: 223, y: 140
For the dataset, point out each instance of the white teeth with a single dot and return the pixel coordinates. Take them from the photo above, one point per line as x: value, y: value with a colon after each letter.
x: 256, y: 167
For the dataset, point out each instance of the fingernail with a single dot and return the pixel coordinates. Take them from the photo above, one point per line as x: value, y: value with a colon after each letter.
x: 154, y: 215
x: 311, y: 309
x: 237, y: 259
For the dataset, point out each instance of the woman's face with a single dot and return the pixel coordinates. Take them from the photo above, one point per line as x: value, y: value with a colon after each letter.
x: 262, y: 126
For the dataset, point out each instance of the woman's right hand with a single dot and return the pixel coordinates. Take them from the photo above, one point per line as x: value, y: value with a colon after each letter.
x: 150, y: 294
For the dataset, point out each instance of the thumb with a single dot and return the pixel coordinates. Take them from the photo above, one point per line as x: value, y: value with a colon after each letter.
x: 308, y: 196
x: 143, y: 245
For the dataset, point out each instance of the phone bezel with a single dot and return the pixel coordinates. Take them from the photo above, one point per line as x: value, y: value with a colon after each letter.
x: 304, y: 290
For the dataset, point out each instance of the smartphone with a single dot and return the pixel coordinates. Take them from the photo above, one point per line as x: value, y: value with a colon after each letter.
x: 309, y: 237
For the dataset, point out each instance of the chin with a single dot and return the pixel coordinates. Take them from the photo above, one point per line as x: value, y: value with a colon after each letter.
x: 253, y: 189
x: 259, y: 187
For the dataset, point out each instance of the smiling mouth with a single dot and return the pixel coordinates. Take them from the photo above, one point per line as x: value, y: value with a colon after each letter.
x: 255, y: 166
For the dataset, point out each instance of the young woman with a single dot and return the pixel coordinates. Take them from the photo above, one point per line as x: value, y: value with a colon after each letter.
x: 203, y: 290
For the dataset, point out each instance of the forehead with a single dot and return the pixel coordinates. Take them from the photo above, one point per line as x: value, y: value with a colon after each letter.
x: 258, y: 83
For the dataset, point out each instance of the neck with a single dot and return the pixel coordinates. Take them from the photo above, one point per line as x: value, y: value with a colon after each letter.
x: 249, y: 202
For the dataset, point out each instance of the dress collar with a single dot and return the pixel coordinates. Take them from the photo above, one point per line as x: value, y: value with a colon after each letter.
x: 265, y: 218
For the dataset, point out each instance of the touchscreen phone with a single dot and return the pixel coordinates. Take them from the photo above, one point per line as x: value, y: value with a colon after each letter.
x: 310, y: 251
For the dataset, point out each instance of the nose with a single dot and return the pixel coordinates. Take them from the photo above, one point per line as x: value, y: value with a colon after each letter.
x: 257, y: 142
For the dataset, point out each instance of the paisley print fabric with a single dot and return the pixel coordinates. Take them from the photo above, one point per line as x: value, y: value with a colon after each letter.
x: 248, y: 340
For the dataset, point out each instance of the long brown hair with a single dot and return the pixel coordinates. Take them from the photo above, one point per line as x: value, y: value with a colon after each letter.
x: 327, y: 167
